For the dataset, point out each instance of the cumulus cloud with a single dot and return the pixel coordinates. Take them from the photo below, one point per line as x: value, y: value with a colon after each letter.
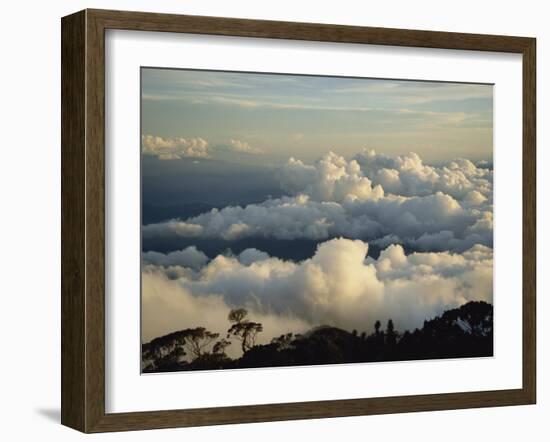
x: 252, y: 255
x: 174, y: 148
x: 403, y: 219
x: 474, y: 198
x: 189, y: 257
x: 429, y: 208
x: 332, y: 178
x: 407, y: 175
x: 338, y: 286
x: 444, y: 213
x: 243, y: 146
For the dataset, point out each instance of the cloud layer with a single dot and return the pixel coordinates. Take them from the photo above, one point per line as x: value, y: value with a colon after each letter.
x: 243, y: 147
x: 428, y: 208
x: 407, y: 175
x: 176, y: 148
x: 338, y: 286
x: 189, y: 257
x: 444, y: 213
x: 166, y: 148
x: 332, y: 178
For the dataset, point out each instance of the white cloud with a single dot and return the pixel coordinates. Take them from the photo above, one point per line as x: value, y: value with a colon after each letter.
x: 174, y: 148
x: 408, y: 218
x: 444, y: 212
x: 243, y: 147
x: 407, y: 175
x: 332, y: 178
x: 189, y: 257
x: 372, y: 197
x: 338, y: 286
x: 474, y: 198
x: 172, y: 228
x: 252, y: 255
x: 168, y: 307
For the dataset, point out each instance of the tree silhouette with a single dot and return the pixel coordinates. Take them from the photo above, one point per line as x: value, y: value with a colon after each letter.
x: 243, y: 329
x: 198, y: 339
x: 282, y: 342
x: 466, y: 331
x: 391, y: 335
x: 220, y: 346
x: 237, y: 315
x: 164, y: 352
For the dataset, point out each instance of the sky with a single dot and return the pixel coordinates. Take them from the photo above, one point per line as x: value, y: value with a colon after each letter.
x: 273, y: 116
x: 312, y: 200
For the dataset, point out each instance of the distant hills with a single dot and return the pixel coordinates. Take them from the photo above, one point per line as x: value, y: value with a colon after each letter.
x: 463, y: 332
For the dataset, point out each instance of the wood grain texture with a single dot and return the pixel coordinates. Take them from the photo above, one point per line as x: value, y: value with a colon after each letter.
x: 83, y: 220
x: 73, y: 254
x: 144, y: 21
x: 529, y: 221
x: 95, y: 222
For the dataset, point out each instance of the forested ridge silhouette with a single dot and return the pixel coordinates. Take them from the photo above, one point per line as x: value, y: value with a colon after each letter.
x: 466, y: 331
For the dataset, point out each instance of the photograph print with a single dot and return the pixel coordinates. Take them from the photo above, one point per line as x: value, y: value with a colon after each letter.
x: 298, y: 220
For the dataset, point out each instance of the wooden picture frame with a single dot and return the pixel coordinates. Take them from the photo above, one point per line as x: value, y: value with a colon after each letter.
x: 83, y: 220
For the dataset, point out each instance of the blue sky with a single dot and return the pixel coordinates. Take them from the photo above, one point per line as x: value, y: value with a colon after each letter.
x: 267, y: 118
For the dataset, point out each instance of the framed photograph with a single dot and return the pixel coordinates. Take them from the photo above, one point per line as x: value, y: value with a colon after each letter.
x: 269, y: 220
